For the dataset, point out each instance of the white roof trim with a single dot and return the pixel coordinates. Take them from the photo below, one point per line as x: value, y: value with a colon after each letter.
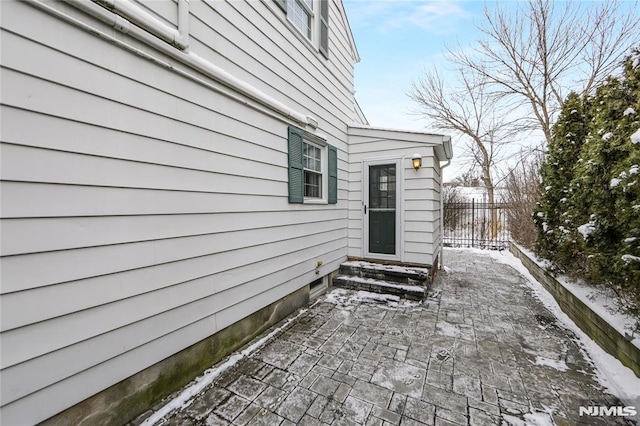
x: 345, y: 23
x: 441, y: 143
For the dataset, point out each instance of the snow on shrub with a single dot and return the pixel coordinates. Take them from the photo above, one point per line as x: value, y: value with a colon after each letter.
x: 586, y: 229
x: 588, y: 217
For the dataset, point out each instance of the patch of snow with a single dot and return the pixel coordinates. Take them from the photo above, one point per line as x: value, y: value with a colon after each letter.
x: 559, y: 365
x: 609, y: 371
x: 186, y: 397
x: 410, y: 288
x: 629, y: 111
x: 635, y: 138
x: 614, y: 182
x: 365, y: 296
x: 586, y: 229
x: 337, y: 296
x: 547, y: 188
x: 607, y: 136
x: 630, y: 258
x: 347, y: 298
x: 529, y: 419
x: 540, y: 214
x: 634, y: 170
x: 380, y: 267
x: 447, y: 270
x: 448, y: 329
x: 630, y: 240
x: 573, y: 111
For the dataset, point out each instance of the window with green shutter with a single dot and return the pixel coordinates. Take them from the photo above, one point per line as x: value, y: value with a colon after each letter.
x: 313, y: 169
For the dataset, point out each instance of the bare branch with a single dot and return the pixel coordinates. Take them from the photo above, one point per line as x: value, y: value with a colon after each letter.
x: 542, y: 50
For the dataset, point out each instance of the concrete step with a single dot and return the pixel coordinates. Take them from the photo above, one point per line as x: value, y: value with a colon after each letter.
x: 390, y: 273
x: 413, y: 292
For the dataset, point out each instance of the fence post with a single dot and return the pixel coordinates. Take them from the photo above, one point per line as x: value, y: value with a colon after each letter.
x: 473, y: 222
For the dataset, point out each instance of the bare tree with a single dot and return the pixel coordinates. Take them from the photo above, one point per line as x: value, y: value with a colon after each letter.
x: 468, y: 178
x: 471, y: 111
x: 540, y: 52
x: 522, y: 183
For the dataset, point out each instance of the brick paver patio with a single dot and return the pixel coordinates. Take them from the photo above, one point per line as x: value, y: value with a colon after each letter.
x: 481, y: 350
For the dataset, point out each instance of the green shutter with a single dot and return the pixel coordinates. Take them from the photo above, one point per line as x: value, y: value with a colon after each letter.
x: 282, y: 4
x: 324, y: 28
x: 333, y: 175
x: 296, y: 172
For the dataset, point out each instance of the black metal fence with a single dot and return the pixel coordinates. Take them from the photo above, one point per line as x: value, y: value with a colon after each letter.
x: 476, y: 224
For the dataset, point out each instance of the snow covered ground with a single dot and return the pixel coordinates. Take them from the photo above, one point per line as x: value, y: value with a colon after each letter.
x: 600, y: 303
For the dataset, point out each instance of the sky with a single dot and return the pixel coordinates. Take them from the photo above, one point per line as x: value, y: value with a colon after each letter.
x: 397, y: 40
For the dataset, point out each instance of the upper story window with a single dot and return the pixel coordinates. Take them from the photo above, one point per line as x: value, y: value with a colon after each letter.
x: 311, y: 19
x: 300, y: 12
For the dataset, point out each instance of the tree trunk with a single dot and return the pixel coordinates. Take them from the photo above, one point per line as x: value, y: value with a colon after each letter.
x: 493, y: 218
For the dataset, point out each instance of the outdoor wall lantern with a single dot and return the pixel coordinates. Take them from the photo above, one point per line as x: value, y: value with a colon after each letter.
x: 417, y: 161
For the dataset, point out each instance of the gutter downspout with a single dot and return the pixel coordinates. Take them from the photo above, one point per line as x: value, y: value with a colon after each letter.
x: 442, y: 167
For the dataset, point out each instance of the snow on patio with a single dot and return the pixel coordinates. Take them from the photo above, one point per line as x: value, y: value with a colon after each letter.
x: 479, y: 350
x: 611, y: 373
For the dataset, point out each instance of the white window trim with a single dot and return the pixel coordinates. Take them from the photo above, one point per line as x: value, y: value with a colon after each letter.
x: 315, y: 26
x: 324, y: 167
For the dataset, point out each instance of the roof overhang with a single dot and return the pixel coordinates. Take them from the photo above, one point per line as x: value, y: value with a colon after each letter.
x: 441, y: 143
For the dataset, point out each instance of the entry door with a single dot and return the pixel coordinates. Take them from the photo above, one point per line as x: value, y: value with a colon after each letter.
x: 382, y: 205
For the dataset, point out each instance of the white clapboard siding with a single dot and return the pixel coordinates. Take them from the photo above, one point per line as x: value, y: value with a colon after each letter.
x: 46, y: 336
x: 63, y: 233
x: 47, y: 131
x: 271, y: 60
x: 166, y: 11
x: 171, y: 297
x: 142, y: 210
x: 75, y: 388
x: 222, y: 176
x: 48, y: 268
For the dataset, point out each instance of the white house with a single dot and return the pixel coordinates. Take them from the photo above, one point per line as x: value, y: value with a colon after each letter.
x: 175, y: 176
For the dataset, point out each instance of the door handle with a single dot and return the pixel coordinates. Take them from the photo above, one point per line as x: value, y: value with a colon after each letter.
x: 365, y: 209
